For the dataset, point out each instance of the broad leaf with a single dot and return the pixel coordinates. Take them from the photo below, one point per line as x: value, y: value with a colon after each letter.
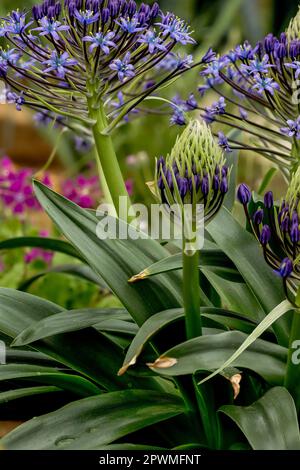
x: 113, y: 259
x: 208, y: 352
x: 94, y: 422
x: 270, y: 423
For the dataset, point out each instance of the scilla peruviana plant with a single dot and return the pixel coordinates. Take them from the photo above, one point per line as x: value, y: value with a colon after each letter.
x: 276, y: 227
x: 194, y: 174
x: 73, y: 59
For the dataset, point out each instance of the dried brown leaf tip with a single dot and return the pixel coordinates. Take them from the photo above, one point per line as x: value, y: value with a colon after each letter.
x: 126, y: 366
x: 163, y: 363
x: 139, y: 277
x: 235, y: 381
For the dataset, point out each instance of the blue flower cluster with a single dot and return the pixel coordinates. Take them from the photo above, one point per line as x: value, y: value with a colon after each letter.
x: 257, y: 91
x: 90, y: 49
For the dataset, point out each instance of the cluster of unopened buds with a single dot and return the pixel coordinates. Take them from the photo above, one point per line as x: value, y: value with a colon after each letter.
x: 194, y: 172
x: 276, y: 227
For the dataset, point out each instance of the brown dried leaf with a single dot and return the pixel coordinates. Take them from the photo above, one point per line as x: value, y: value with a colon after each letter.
x: 163, y: 363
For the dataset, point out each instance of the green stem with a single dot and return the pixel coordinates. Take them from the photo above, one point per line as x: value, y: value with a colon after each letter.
x: 292, y: 376
x: 107, y: 160
x: 191, y: 295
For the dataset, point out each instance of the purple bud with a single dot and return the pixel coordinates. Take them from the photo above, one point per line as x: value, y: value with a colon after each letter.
x: 258, y: 217
x: 285, y: 224
x: 205, y: 186
x: 154, y: 10
x: 105, y: 15
x: 244, y: 194
x: 216, y: 183
x: 217, y: 170
x: 160, y: 183
x: 286, y: 268
x: 182, y: 186
x: 265, y: 235
x: 224, y: 171
x: 269, y: 43
x: 295, y: 220
x: 161, y: 163
x: 131, y: 8
x: 268, y: 199
x: 169, y: 179
x: 295, y: 234
x: 197, y: 182
x: 224, y: 185
x: 191, y: 102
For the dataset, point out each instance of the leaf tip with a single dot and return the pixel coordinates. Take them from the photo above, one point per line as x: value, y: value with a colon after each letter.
x: 139, y: 277
x: 163, y: 363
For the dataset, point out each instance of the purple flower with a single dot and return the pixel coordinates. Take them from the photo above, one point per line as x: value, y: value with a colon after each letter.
x: 176, y: 61
x: 57, y: 63
x: 292, y: 129
x: 123, y: 67
x: 258, y: 66
x: 104, y: 41
x: 130, y: 25
x: 178, y: 118
x: 176, y: 28
x: 86, y: 17
x: 13, y: 98
x: 296, y: 66
x: 217, y: 108
x: 39, y: 254
x: 244, y: 51
x: 153, y: 42
x: 209, y: 56
x: 16, y: 23
x: 214, y: 68
x: 223, y: 142
x: 264, y: 84
x: 51, y: 27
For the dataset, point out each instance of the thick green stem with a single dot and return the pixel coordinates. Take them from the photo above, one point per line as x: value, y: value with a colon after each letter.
x: 292, y: 376
x: 191, y: 295
x: 108, y: 162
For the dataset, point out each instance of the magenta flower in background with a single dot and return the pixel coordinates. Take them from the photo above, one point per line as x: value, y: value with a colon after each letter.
x: 16, y: 192
x: 129, y: 186
x: 39, y: 254
x: 82, y: 190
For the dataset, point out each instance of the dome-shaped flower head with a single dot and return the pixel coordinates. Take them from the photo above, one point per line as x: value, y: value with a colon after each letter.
x: 259, y: 82
x: 194, y: 172
x: 68, y: 56
x: 276, y: 227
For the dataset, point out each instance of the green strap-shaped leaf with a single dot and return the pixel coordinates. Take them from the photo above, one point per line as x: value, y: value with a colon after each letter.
x: 157, y: 323
x: 50, y: 244
x: 86, y: 351
x: 65, y: 322
x: 268, y: 321
x: 74, y: 383
x: 207, y: 352
x: 93, y: 422
x: 11, y: 395
x: 115, y: 260
x: 78, y: 270
x: 270, y: 423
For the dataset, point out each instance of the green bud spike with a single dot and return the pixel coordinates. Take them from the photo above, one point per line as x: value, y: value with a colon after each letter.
x: 293, y: 30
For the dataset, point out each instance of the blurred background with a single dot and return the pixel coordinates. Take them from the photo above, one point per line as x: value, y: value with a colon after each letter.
x: 220, y: 24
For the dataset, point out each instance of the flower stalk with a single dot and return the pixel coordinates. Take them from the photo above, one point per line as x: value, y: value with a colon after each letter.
x: 107, y: 162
